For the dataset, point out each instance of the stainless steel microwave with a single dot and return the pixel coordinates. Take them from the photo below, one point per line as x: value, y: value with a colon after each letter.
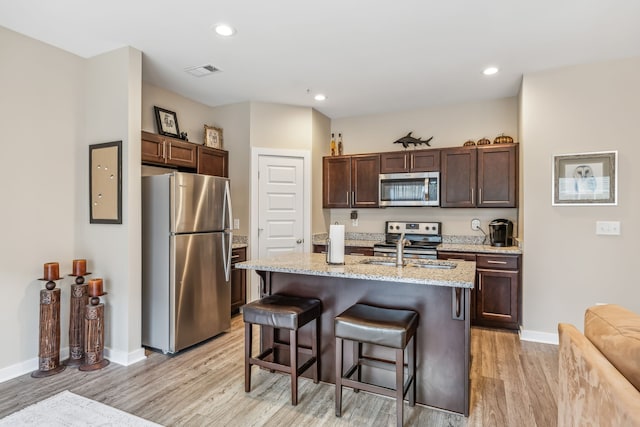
x: 410, y: 189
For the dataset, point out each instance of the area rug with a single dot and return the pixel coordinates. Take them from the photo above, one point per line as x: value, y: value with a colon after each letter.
x: 70, y: 410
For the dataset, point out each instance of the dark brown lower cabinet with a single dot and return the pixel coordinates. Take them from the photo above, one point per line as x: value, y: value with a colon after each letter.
x: 496, y: 301
x: 238, y: 280
x: 348, y: 250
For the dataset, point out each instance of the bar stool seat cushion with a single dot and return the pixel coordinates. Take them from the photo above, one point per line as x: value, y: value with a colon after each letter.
x: 282, y: 311
x: 375, y: 325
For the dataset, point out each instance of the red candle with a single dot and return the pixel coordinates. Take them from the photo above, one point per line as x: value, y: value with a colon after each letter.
x: 95, y: 287
x: 79, y: 267
x: 51, y: 271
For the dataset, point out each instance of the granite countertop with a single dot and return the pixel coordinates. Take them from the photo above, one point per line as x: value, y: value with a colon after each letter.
x: 450, y: 244
x: 487, y: 249
x: 238, y: 245
x: 462, y: 276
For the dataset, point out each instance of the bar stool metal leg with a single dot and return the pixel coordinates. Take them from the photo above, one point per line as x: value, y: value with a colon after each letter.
x: 293, y: 351
x: 399, y: 385
x: 338, y: 377
x: 412, y: 371
x: 315, y: 349
x: 247, y: 355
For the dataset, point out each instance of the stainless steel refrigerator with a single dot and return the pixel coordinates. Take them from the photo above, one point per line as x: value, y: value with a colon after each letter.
x: 186, y: 259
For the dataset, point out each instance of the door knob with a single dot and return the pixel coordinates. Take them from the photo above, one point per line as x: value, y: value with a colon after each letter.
x: 299, y: 241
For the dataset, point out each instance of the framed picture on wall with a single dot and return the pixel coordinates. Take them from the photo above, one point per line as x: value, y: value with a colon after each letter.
x: 585, y: 179
x: 213, y: 136
x: 167, y: 122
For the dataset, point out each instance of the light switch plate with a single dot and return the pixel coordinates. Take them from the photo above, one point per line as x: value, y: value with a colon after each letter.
x: 611, y: 228
x: 236, y: 224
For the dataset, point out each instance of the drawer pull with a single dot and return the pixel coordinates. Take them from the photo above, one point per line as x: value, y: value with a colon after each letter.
x: 496, y: 262
x: 356, y: 254
x: 235, y: 256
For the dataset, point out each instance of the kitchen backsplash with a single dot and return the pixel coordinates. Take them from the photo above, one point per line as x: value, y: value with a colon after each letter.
x: 320, y: 238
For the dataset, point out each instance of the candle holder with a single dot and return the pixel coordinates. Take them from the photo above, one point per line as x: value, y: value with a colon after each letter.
x: 79, y: 300
x: 49, y: 348
x: 94, y: 335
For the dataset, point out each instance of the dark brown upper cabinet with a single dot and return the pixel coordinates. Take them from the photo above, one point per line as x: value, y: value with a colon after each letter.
x: 485, y: 176
x: 350, y: 181
x: 410, y: 161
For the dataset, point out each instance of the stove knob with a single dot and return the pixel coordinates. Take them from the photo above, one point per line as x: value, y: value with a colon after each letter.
x: 397, y: 227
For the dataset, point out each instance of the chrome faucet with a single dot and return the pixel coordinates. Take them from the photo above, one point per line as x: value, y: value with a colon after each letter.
x: 400, y: 250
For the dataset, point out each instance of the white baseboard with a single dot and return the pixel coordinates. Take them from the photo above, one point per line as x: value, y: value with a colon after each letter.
x: 124, y: 358
x: 30, y: 365
x: 26, y: 367
x: 537, y: 336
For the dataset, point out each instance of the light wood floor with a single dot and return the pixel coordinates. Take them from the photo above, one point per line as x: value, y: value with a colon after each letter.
x: 513, y: 383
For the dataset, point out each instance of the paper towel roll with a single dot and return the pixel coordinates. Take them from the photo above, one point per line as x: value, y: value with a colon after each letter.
x: 336, y: 244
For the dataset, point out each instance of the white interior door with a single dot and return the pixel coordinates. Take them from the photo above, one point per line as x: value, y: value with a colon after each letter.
x: 280, y: 205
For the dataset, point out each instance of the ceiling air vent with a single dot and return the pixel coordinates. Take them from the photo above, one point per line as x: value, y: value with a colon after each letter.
x: 202, y: 70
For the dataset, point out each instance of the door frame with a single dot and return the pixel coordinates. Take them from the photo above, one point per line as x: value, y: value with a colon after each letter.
x: 256, y: 154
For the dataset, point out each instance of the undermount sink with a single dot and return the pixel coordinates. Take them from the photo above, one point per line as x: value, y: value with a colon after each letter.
x: 379, y: 262
x: 421, y: 264
x: 433, y: 264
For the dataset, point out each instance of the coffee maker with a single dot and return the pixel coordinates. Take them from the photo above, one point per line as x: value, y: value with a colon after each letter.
x: 501, y: 232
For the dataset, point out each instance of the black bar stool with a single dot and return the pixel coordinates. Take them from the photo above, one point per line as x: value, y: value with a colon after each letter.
x: 283, y: 312
x: 386, y: 327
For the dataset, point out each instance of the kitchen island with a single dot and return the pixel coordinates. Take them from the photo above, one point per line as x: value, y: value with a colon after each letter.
x: 439, y: 295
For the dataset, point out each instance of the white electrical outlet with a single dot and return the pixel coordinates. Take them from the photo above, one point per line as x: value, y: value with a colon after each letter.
x: 236, y: 224
x: 475, y: 224
x: 354, y: 222
x: 611, y: 228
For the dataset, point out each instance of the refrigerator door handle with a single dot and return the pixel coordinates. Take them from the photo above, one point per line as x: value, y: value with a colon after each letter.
x: 226, y: 254
x: 226, y: 209
x: 227, y: 215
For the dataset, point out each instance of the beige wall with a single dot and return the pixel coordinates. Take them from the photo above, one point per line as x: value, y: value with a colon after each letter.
x: 234, y: 120
x: 112, y: 112
x: 52, y: 117
x: 192, y: 115
x: 42, y: 116
x: 450, y: 126
x: 280, y: 126
x: 321, y: 128
x: 567, y: 267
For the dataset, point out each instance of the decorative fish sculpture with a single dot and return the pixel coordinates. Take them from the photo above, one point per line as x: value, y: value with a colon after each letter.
x: 408, y: 139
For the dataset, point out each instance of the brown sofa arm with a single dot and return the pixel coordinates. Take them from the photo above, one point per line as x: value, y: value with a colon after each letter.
x: 591, y: 391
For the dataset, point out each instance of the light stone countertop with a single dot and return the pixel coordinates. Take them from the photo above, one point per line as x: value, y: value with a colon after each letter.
x: 238, y: 245
x: 487, y: 249
x: 463, y: 276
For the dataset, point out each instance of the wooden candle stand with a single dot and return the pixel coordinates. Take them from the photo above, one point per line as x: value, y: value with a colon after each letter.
x: 79, y: 300
x: 49, y: 350
x: 94, y: 335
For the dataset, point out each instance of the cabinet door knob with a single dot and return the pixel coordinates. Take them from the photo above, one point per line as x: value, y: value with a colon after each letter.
x: 299, y: 241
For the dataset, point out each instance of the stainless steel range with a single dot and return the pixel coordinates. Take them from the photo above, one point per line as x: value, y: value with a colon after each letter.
x: 423, y: 239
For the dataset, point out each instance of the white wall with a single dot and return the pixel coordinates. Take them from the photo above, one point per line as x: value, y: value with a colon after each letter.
x: 450, y: 126
x: 42, y: 117
x: 566, y: 266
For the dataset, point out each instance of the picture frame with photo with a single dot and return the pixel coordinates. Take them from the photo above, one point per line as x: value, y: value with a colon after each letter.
x: 585, y: 179
x: 167, y: 122
x: 213, y: 137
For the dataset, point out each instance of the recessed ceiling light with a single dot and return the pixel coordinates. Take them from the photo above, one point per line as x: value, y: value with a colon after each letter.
x: 489, y: 71
x: 320, y: 97
x: 224, y: 30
